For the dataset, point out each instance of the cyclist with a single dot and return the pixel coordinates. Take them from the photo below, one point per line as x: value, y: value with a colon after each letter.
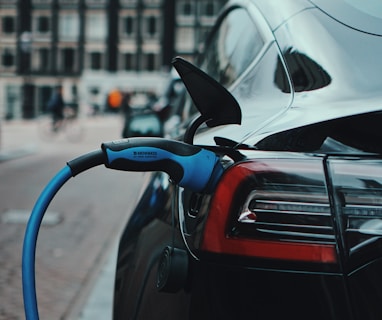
x: 56, y: 106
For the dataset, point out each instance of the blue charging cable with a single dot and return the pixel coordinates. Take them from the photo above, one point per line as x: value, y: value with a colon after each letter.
x: 190, y: 166
x: 73, y: 168
x: 30, y: 239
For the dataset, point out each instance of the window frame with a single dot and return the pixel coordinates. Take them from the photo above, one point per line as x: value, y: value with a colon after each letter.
x: 70, y: 21
x: 14, y: 25
x: 74, y: 68
x: 38, y: 20
x: 123, y: 61
x: 100, y: 20
x: 39, y: 63
x: 96, y: 65
x: 11, y: 52
x: 220, y: 38
x: 261, y: 26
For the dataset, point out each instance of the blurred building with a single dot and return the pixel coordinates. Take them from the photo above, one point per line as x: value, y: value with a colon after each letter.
x: 93, y: 46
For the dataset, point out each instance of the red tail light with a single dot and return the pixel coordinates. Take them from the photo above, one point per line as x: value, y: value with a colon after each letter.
x: 272, y: 209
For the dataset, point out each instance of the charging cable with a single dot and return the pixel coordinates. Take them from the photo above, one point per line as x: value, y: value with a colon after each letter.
x: 189, y: 166
x: 34, y: 223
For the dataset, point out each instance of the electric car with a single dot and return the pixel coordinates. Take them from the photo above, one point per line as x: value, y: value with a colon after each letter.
x: 288, y: 94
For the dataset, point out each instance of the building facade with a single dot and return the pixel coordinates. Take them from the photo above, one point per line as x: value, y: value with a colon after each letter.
x: 92, y: 46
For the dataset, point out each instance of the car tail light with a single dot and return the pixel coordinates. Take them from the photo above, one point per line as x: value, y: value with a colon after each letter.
x: 357, y: 186
x: 272, y: 209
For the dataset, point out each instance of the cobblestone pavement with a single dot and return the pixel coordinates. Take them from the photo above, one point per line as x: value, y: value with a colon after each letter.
x: 70, y: 250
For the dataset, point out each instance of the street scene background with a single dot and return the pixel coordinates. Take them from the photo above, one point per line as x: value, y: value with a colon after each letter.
x: 81, y: 227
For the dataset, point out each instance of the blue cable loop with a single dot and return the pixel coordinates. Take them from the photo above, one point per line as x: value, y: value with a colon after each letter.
x: 30, y: 240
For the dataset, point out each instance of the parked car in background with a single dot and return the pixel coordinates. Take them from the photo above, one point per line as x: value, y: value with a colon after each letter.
x: 169, y: 104
x: 293, y: 229
x: 160, y: 116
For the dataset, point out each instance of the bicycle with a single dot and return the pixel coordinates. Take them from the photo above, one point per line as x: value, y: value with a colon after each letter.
x: 70, y: 128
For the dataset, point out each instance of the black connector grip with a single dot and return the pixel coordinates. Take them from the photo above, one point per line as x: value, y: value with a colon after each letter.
x: 86, y: 161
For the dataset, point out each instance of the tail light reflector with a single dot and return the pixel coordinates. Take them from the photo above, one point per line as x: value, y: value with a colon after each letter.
x: 357, y: 185
x: 272, y: 209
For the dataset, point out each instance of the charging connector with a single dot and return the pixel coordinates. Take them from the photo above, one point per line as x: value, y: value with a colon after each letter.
x: 187, y: 165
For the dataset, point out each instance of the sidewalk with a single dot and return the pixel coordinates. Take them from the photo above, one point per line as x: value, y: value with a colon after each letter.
x: 99, y: 304
x: 17, y: 146
x: 13, y: 143
x: 96, y: 298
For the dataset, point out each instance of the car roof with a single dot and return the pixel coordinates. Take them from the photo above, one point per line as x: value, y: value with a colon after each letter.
x: 277, y: 12
x: 364, y: 16
x: 316, y: 36
x: 350, y: 56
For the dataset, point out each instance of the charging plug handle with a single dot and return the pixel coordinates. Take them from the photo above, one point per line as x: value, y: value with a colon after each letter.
x: 187, y: 165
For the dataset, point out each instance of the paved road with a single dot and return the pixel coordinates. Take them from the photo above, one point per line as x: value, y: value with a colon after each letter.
x: 76, y: 247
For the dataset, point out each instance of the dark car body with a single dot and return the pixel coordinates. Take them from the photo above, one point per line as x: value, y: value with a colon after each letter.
x: 293, y: 229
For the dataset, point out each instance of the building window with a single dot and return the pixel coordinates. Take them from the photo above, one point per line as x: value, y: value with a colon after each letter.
x: 208, y: 9
x: 43, y: 59
x: 95, y: 61
x: 150, y: 62
x: 12, y: 101
x: 43, y: 24
x: 186, y: 8
x: 128, y: 61
x: 96, y: 26
x: 152, y: 25
x: 8, y: 24
x: 69, y: 26
x: 8, y: 58
x: 128, y: 26
x: 185, y: 39
x: 68, y: 59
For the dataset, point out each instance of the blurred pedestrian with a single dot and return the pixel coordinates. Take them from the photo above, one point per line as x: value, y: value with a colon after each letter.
x: 56, y: 107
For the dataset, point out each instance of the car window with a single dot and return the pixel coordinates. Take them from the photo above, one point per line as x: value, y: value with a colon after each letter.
x: 232, y: 47
x: 263, y: 92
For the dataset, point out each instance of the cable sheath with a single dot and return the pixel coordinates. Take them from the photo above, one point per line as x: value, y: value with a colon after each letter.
x: 30, y: 240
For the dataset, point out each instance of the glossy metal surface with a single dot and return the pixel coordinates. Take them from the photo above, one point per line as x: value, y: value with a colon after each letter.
x: 314, y: 87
